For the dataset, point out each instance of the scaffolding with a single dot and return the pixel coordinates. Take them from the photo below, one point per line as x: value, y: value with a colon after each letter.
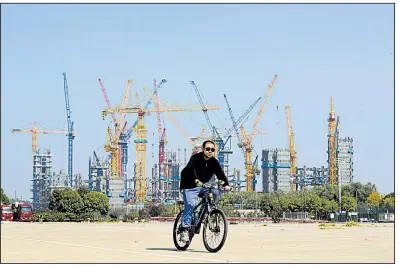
x: 276, y: 170
x: 42, y: 178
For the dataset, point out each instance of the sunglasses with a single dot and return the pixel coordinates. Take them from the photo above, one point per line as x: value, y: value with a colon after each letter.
x: 208, y: 149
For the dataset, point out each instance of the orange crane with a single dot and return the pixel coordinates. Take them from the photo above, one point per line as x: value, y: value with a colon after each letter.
x: 293, y: 157
x: 247, y: 138
x: 34, y: 133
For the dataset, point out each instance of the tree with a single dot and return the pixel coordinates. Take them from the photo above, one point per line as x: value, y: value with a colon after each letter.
x: 313, y: 203
x: 156, y: 210
x: 374, y: 200
x: 348, y: 204
x: 4, y: 198
x: 388, y: 204
x: 83, y: 190
x: 66, y: 200
x: 95, y: 201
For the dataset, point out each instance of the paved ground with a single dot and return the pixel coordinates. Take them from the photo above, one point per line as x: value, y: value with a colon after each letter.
x: 153, y: 243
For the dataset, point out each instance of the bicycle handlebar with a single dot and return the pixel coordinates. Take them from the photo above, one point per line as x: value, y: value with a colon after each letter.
x: 210, y: 186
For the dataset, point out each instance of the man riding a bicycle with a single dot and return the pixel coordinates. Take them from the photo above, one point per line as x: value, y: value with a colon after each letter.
x: 200, y: 169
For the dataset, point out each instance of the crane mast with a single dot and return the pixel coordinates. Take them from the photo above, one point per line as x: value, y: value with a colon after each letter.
x: 70, y: 132
x: 293, y: 157
x: 248, y: 138
x: 332, y: 145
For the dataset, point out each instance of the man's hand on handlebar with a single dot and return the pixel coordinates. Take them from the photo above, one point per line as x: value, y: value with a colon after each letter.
x: 227, y: 188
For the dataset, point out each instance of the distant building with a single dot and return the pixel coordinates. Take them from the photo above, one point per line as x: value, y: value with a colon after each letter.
x: 345, y: 162
x: 276, y: 170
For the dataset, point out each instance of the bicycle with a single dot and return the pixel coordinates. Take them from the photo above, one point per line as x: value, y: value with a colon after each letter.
x: 204, y: 212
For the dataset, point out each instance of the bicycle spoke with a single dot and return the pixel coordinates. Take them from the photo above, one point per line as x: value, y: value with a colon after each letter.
x: 215, y: 232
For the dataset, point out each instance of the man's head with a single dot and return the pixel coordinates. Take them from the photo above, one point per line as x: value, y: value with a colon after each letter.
x: 209, y: 147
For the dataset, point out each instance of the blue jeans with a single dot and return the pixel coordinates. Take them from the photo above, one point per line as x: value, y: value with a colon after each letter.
x: 189, y: 196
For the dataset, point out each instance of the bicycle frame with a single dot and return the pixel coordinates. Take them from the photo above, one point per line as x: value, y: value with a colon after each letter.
x: 205, y: 206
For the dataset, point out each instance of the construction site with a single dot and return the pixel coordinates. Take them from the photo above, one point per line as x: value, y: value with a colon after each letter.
x: 277, y: 168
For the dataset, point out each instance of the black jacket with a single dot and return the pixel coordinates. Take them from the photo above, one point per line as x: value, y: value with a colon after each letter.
x: 199, y: 168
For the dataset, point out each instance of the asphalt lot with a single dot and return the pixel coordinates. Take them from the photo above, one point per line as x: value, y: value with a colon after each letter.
x: 153, y: 243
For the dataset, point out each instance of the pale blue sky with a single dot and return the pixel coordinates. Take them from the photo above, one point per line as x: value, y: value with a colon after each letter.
x: 318, y: 51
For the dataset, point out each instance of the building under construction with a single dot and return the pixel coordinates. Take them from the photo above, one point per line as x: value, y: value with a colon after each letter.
x: 165, y: 182
x: 345, y: 152
x: 60, y: 180
x: 42, y: 178
x: 276, y: 170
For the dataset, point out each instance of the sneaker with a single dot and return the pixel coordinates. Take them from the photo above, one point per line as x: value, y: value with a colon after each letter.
x: 185, y: 236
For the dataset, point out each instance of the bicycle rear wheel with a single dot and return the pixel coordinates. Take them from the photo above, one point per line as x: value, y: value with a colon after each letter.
x: 215, y: 227
x: 177, y: 235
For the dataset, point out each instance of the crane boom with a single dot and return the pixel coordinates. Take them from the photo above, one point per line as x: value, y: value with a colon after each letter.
x: 108, y: 104
x: 70, y: 131
x: 171, y: 118
x: 155, y: 92
x: 34, y: 133
x: 261, y: 110
x: 243, y: 117
x: 204, y: 109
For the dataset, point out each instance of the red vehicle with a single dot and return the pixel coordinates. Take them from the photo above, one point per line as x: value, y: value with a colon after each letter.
x: 7, y: 213
x: 22, y: 212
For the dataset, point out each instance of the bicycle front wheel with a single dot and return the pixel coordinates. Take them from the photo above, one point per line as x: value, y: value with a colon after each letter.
x: 177, y: 235
x: 215, y: 230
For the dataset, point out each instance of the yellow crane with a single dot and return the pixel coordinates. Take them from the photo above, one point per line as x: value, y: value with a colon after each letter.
x: 112, y: 141
x: 332, y: 144
x: 293, y: 157
x: 141, y: 141
x: 247, y: 138
x: 34, y: 133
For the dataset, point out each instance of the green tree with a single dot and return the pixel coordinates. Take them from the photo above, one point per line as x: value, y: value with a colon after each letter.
x: 156, y: 210
x: 95, y: 201
x: 348, y: 204
x: 313, y: 203
x: 388, y: 204
x: 278, y: 204
x: 83, y: 190
x: 66, y: 200
x: 330, y: 206
x: 4, y: 198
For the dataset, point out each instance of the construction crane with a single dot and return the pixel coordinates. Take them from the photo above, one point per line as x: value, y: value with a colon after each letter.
x: 223, y: 153
x: 248, y: 138
x: 241, y: 118
x: 126, y: 135
x: 112, y: 140
x: 70, y: 131
x: 293, y: 157
x: 332, y: 145
x: 141, y: 140
x: 34, y: 133
x: 161, y: 132
x: 193, y: 141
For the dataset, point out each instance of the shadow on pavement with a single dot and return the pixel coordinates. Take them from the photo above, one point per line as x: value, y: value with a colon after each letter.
x: 176, y: 250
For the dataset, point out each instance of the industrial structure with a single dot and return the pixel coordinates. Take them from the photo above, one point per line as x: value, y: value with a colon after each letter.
x: 279, y: 167
x: 345, y: 160
x: 42, y: 178
x: 141, y: 140
x: 276, y: 170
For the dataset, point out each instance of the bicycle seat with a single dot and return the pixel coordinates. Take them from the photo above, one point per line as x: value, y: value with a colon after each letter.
x: 180, y: 202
